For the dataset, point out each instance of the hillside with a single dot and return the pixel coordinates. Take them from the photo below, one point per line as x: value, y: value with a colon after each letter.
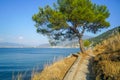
x: 104, y: 35
x: 106, y: 65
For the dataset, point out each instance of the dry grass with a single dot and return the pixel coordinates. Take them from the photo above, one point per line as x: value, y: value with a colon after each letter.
x: 107, y: 62
x: 19, y: 76
x: 110, y: 68
x: 56, y: 71
x: 108, y: 45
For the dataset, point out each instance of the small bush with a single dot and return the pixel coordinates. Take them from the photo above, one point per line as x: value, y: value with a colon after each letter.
x: 87, y: 43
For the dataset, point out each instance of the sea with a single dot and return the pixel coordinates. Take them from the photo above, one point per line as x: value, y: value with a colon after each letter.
x: 26, y: 61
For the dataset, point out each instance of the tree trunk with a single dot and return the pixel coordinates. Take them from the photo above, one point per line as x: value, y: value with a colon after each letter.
x: 81, y: 45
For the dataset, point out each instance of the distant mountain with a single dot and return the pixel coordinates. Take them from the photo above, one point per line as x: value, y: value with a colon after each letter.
x: 86, y: 37
x: 10, y: 45
x: 47, y: 45
x: 105, y: 35
x: 66, y: 44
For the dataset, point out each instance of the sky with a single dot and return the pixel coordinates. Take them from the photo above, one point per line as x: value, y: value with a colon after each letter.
x: 17, y: 26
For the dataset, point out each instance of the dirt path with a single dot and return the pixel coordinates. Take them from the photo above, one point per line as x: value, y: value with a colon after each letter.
x: 72, y: 70
x: 81, y: 69
x: 84, y: 71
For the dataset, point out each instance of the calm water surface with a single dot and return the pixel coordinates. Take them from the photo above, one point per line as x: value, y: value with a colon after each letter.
x: 24, y: 60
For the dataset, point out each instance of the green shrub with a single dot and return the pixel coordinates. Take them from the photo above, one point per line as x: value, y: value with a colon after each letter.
x: 87, y: 43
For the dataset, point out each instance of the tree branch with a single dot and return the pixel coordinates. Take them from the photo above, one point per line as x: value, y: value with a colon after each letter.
x: 74, y: 30
x: 83, y: 30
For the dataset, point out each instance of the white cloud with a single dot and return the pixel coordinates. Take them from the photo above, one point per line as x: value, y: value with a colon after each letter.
x: 20, y: 38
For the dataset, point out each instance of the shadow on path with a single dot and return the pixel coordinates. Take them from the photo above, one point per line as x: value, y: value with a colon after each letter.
x: 90, y: 74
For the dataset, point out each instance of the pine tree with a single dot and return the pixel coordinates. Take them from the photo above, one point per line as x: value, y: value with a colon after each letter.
x: 69, y: 19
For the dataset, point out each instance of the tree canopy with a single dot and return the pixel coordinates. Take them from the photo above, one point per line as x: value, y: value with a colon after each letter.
x: 68, y: 19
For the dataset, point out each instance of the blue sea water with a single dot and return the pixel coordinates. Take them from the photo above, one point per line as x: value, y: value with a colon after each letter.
x: 23, y: 60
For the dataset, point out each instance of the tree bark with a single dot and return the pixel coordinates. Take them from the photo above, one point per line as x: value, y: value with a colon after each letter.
x: 81, y: 45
